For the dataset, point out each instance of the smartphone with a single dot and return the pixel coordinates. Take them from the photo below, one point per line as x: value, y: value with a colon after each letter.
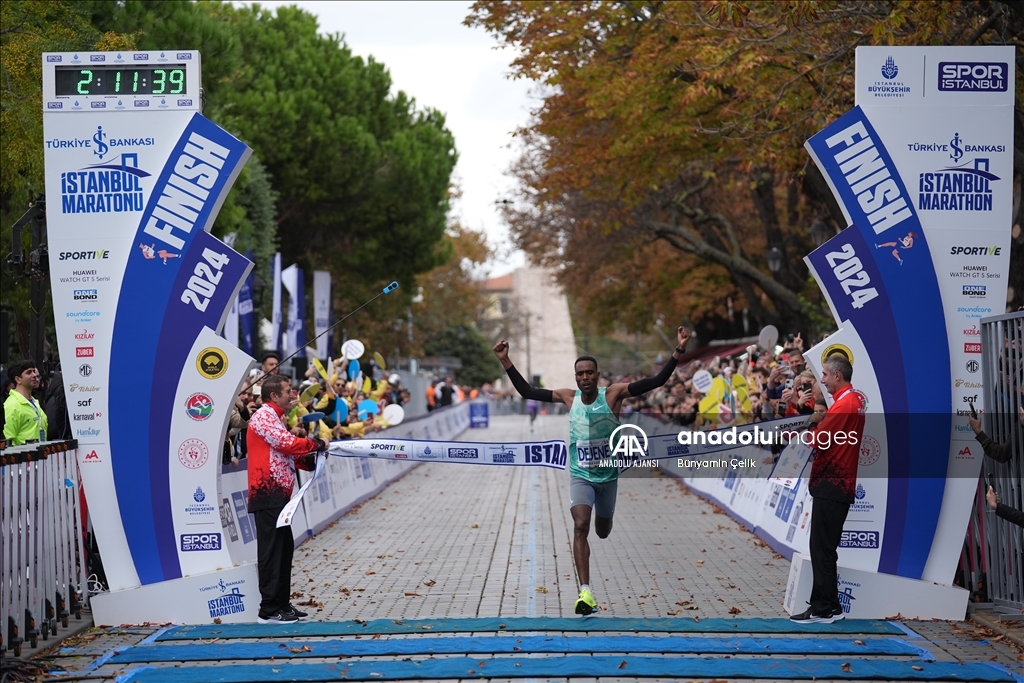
x: 789, y: 383
x: 974, y: 413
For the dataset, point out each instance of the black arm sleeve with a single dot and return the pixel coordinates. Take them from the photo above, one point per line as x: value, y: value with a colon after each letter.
x: 525, y: 390
x: 642, y: 386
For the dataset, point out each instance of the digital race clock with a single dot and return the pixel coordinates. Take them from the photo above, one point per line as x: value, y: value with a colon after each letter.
x: 121, y: 81
x: 169, y: 79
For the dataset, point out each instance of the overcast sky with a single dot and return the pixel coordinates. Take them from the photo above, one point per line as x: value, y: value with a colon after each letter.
x: 457, y: 70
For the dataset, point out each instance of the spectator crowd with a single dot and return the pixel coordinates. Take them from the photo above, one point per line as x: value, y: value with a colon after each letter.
x: 332, y: 408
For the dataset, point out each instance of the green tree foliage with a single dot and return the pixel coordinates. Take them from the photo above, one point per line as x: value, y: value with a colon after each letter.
x: 346, y: 175
x: 467, y: 344
x: 27, y: 29
x: 362, y: 176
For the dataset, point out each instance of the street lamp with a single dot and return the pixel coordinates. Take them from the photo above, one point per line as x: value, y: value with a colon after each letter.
x: 820, y: 233
x: 774, y: 256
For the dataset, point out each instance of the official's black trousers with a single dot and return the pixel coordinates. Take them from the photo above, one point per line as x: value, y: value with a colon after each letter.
x: 274, y: 548
x: 827, y: 519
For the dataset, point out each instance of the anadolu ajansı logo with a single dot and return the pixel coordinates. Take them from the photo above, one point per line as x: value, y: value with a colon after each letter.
x: 631, y: 442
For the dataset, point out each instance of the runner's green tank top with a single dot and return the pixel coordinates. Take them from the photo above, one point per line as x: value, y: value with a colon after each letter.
x: 589, y: 429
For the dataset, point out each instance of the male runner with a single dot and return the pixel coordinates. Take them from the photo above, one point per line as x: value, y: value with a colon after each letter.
x: 593, y: 416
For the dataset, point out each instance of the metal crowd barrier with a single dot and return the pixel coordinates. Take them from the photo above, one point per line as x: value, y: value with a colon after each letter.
x: 993, y: 557
x: 42, y: 556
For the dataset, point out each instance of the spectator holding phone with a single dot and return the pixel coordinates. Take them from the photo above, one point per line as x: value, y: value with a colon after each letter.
x: 1005, y: 511
x: 1000, y: 452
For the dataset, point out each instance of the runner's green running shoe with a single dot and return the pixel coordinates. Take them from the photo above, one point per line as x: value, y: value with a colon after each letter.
x: 585, y: 604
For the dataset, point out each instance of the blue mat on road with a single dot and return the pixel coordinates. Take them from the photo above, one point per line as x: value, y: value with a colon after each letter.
x: 497, y: 624
x: 510, y: 644
x: 564, y: 667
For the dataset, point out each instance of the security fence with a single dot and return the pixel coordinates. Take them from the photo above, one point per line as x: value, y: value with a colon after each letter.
x: 42, y: 556
x: 993, y: 556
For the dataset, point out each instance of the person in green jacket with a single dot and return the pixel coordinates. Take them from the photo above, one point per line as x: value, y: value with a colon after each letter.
x: 24, y: 418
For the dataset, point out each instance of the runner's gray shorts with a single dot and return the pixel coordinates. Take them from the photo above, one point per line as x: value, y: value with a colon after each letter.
x: 600, y: 496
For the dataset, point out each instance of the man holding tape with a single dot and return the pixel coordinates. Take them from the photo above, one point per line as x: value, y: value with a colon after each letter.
x: 837, y: 437
x: 593, y: 416
x: 272, y: 450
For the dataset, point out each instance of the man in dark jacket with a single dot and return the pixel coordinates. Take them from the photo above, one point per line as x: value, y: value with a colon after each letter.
x: 1000, y: 452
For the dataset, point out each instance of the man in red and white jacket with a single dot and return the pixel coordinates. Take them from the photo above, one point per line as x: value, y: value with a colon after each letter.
x: 837, y: 439
x: 272, y: 451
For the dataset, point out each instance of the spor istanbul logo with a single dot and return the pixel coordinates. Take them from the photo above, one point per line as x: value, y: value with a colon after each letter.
x: 889, y: 87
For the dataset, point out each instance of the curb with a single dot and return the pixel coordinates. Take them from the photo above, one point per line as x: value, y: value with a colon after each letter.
x: 989, y: 620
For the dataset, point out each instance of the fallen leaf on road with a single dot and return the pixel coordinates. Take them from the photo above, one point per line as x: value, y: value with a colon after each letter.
x: 411, y: 594
x: 429, y: 582
x: 216, y: 620
x: 542, y: 589
x: 700, y: 561
x: 915, y: 667
x: 683, y: 603
x: 734, y: 610
x: 672, y: 612
x: 623, y: 665
x: 846, y: 667
x: 858, y: 642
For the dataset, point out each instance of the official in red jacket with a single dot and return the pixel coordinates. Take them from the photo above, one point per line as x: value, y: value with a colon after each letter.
x: 837, y: 438
x: 274, y: 452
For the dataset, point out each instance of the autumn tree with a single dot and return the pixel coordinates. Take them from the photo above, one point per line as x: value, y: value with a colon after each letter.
x: 27, y: 29
x: 683, y: 123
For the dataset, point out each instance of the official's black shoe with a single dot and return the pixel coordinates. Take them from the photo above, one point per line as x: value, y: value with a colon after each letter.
x: 809, y: 617
x: 291, y: 609
x: 278, y: 617
x: 837, y: 614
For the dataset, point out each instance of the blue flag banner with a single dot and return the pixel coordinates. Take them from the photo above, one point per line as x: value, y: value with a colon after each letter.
x: 246, y: 315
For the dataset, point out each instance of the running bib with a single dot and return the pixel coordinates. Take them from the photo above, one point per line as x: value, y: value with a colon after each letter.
x: 590, y: 454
